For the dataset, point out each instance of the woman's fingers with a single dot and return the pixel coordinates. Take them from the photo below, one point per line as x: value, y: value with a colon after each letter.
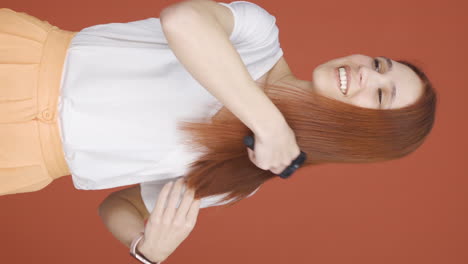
x: 193, y: 212
x: 173, y: 200
x: 158, y: 211
x: 275, y: 151
x: 254, y: 160
x: 181, y: 217
x: 278, y: 171
x: 275, y: 170
x: 251, y: 155
x: 169, y: 226
x: 172, y: 214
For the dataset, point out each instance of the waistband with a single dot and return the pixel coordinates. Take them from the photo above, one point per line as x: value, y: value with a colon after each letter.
x: 49, y: 81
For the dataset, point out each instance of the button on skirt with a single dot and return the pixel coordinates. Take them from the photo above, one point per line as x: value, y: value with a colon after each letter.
x: 32, y: 55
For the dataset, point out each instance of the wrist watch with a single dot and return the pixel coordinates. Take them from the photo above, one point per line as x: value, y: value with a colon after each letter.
x: 136, y: 254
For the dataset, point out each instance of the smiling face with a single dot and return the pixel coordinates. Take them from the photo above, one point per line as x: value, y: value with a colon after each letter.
x: 371, y: 82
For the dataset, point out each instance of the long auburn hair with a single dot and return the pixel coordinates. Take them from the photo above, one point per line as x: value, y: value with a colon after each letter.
x: 328, y: 130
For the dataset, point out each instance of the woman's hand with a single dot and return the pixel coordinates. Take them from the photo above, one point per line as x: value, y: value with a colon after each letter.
x: 167, y: 228
x: 275, y: 150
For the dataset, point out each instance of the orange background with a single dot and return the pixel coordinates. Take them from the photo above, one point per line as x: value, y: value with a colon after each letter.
x: 412, y: 210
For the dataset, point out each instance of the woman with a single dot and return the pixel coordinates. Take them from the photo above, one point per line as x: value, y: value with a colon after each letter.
x: 118, y: 76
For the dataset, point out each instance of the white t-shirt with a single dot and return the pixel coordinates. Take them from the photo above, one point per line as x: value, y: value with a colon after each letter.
x: 123, y: 92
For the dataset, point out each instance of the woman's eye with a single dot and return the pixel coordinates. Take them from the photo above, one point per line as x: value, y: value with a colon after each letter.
x: 377, y: 64
x: 379, y: 92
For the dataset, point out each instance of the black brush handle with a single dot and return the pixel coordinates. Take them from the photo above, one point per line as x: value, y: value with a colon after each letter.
x: 249, y: 142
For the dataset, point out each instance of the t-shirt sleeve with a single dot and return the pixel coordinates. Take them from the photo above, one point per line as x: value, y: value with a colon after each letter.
x: 255, y: 36
x: 150, y: 193
x: 253, y: 25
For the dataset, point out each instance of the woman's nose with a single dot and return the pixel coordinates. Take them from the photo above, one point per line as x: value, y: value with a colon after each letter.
x: 362, y: 76
x: 367, y: 76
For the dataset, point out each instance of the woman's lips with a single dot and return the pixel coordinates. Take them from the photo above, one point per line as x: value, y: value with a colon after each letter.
x: 348, y: 78
x: 337, y: 75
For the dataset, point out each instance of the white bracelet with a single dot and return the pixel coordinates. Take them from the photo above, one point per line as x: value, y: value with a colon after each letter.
x: 134, y: 252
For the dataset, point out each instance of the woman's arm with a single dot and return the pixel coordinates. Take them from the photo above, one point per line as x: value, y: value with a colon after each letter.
x: 198, y: 33
x: 123, y: 213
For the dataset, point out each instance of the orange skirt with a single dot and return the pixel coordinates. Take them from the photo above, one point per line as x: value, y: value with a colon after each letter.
x: 32, y: 55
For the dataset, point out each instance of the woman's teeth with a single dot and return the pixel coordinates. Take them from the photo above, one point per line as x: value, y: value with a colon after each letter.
x: 343, y: 79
